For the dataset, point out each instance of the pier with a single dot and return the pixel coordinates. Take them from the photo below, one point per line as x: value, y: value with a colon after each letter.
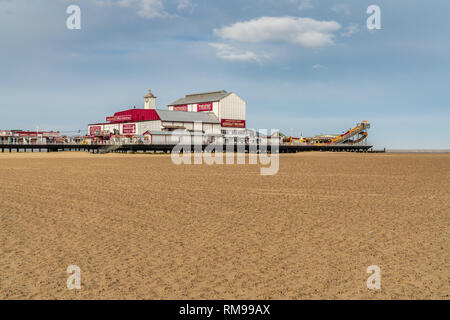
x: 166, y: 148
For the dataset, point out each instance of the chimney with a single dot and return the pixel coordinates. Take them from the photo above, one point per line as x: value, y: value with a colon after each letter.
x: 150, y: 100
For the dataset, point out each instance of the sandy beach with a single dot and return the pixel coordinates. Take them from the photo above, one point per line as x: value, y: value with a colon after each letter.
x: 139, y: 226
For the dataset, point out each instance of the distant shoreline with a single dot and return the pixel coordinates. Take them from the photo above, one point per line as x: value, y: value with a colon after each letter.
x: 417, y: 150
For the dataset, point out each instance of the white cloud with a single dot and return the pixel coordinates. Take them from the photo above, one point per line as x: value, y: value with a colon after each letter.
x: 350, y: 30
x: 305, y: 32
x: 125, y: 3
x: 227, y: 52
x: 305, y: 4
x: 149, y: 9
x: 319, y: 66
x: 185, y: 5
x: 341, y: 8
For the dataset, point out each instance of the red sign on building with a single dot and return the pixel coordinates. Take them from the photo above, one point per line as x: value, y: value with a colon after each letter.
x: 230, y: 123
x: 121, y: 118
x: 95, y: 130
x: 180, y: 108
x: 208, y: 106
x: 129, y: 128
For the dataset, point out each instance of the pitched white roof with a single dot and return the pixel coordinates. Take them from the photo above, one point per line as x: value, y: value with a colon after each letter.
x: 201, y: 97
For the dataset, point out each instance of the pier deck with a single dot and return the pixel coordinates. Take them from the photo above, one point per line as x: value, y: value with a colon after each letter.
x: 168, y: 148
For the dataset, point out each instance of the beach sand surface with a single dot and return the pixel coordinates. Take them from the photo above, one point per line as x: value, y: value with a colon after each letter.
x: 140, y: 227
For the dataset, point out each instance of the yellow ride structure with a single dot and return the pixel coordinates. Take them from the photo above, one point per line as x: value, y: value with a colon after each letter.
x: 352, y: 136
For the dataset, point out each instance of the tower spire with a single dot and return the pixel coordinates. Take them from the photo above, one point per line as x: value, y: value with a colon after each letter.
x: 150, y: 100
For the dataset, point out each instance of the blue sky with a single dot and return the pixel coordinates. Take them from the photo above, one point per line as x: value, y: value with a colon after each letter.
x: 302, y: 66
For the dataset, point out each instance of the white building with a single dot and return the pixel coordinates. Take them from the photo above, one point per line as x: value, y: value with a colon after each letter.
x: 214, y: 114
x: 228, y: 107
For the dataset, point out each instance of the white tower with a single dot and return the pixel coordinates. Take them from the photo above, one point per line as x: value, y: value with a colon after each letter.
x: 150, y: 100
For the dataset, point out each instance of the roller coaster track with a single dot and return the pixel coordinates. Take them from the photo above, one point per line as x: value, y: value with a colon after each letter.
x: 345, y: 138
x: 361, y: 138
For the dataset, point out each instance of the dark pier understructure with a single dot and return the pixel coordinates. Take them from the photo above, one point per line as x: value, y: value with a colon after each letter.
x: 133, y: 148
